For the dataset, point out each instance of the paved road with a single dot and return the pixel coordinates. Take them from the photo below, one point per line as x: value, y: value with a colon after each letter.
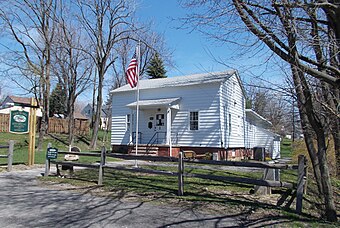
x: 25, y: 203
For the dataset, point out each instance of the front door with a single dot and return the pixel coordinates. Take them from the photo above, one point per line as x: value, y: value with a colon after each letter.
x: 160, y: 122
x: 149, y: 127
x: 160, y: 127
x: 154, y: 130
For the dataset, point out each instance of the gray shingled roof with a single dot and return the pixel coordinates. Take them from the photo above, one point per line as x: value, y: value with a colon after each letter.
x: 20, y: 100
x: 155, y: 102
x: 256, y: 119
x: 179, y: 81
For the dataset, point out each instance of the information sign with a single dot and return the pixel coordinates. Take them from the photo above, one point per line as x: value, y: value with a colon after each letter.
x: 52, y: 153
x: 18, y: 122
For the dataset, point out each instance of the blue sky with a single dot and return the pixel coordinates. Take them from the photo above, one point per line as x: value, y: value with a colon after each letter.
x: 190, y: 49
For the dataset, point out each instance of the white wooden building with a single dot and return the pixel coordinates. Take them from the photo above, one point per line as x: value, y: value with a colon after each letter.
x: 258, y: 134
x: 202, y: 112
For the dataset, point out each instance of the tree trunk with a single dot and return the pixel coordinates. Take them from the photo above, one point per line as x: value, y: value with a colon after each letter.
x: 330, y: 210
x: 93, y: 102
x: 336, y: 138
x: 46, y: 86
x: 331, y: 100
x: 46, y: 73
x: 95, y: 130
x: 318, y: 158
x: 71, y: 120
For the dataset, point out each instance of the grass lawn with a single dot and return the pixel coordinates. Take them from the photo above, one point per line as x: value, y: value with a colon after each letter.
x: 59, y: 141
x: 207, y: 195
x: 286, y: 148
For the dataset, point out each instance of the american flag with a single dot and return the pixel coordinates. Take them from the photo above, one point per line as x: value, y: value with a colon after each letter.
x: 131, y: 72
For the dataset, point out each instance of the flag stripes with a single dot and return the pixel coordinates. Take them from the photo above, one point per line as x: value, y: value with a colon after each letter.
x: 131, y: 72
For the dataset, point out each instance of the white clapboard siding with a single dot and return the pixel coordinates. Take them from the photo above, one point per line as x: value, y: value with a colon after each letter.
x: 258, y: 133
x: 119, y: 133
x: 202, y: 98
x: 250, y: 135
x: 263, y: 138
x: 276, y: 149
x: 232, y: 107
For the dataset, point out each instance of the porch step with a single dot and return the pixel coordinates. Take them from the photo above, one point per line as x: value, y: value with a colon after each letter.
x: 143, y: 150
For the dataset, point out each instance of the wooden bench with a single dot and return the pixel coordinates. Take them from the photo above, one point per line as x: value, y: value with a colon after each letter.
x: 190, y: 154
x: 200, y: 156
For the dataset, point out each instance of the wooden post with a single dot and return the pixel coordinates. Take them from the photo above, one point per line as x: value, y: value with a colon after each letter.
x: 300, y: 182
x: 102, y: 162
x: 306, y: 177
x: 264, y: 190
x: 32, y: 129
x: 10, y: 155
x: 104, y: 157
x: 47, y: 162
x: 180, y: 174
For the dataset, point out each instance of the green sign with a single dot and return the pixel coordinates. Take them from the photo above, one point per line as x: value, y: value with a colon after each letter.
x: 52, y: 153
x: 19, y: 122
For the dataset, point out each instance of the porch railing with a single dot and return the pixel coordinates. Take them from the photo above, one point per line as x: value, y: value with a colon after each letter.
x: 133, y: 141
x: 157, y: 138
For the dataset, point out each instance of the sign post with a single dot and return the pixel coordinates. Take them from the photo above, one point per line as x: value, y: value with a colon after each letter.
x: 52, y: 153
x: 32, y: 129
x: 22, y: 122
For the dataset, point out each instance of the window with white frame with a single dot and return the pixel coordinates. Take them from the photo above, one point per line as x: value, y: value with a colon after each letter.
x: 160, y: 120
x: 128, y: 122
x: 193, y: 121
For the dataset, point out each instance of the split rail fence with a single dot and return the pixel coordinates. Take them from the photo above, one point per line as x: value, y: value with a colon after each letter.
x: 9, y: 155
x: 299, y: 187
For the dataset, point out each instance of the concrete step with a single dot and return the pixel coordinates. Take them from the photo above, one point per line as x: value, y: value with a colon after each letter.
x: 143, y: 150
x: 144, y: 153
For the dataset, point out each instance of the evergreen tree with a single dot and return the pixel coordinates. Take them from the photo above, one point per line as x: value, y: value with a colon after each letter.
x: 58, y: 100
x: 156, y: 68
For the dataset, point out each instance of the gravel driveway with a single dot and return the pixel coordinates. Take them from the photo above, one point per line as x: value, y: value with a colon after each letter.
x: 25, y: 203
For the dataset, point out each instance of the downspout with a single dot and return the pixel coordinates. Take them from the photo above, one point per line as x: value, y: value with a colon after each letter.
x: 222, y: 133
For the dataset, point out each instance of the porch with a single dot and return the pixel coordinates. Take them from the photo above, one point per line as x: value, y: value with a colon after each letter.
x: 154, y: 123
x: 207, y: 153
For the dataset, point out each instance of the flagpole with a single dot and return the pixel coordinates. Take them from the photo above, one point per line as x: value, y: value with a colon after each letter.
x: 137, y: 108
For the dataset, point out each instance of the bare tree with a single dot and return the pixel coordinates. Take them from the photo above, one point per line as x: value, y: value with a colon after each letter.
x: 107, y: 22
x: 73, y: 67
x: 269, y: 103
x: 151, y: 43
x: 305, y: 34
x: 31, y: 23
